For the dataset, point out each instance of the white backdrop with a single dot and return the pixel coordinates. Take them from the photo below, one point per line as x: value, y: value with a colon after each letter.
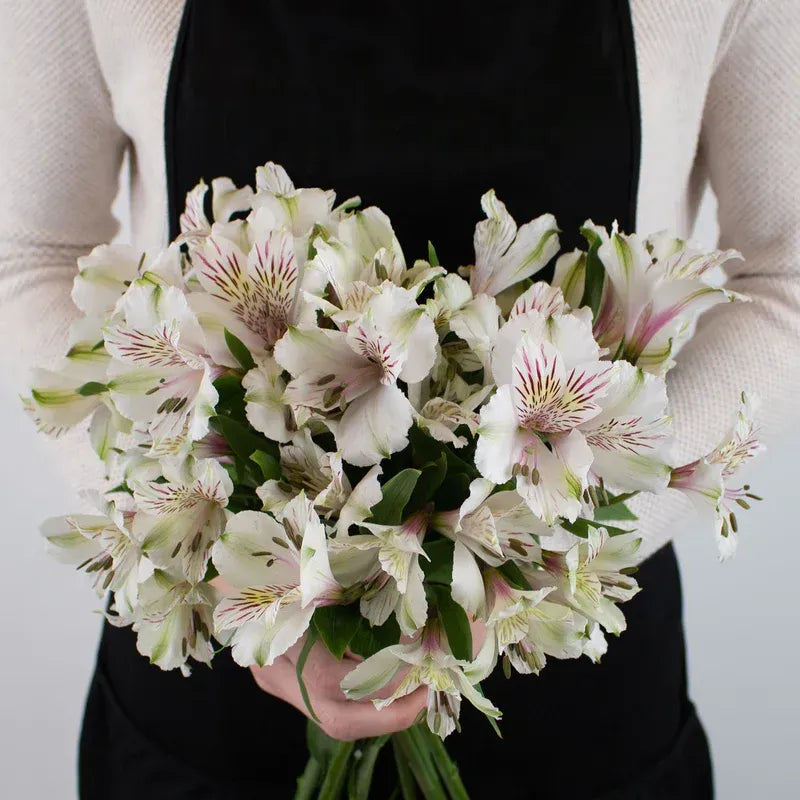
x: 741, y: 628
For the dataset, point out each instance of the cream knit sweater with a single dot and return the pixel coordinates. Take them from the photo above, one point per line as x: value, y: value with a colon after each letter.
x: 84, y: 81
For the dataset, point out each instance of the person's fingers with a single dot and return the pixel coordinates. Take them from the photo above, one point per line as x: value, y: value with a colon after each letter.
x: 340, y: 718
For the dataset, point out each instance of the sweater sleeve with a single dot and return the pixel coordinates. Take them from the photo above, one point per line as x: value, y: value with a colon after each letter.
x: 60, y: 156
x: 749, y: 148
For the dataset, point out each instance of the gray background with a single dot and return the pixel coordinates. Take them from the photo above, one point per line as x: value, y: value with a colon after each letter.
x: 741, y: 626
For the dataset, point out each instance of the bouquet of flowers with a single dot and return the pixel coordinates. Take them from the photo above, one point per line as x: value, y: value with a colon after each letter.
x: 376, y: 457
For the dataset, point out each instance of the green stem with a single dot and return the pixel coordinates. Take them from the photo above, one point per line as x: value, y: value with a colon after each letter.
x: 308, y: 781
x: 447, y: 768
x: 362, y: 773
x: 311, y: 638
x: 418, y: 757
x: 406, y: 779
x: 337, y: 772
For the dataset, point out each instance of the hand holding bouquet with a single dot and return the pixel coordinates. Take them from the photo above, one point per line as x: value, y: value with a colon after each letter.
x: 377, y: 457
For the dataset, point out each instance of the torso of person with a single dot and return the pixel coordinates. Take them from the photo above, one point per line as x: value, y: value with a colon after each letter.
x: 419, y: 108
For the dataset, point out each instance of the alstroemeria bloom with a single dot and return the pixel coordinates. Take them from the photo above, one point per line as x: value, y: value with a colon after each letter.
x: 550, y: 380
x: 592, y: 576
x: 398, y: 584
x: 528, y: 627
x: 309, y: 468
x: 160, y: 374
x: 357, y: 371
x: 104, y: 546
x: 175, y: 621
x: 705, y: 481
x: 430, y: 663
x: 226, y: 199
x: 488, y: 528
x: 505, y: 255
x: 250, y: 273
x: 659, y: 300
x: 631, y: 437
x: 281, y: 574
x: 105, y: 274
x: 181, y: 518
x: 264, y: 405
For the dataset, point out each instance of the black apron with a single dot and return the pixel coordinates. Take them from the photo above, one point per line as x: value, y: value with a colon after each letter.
x: 419, y: 108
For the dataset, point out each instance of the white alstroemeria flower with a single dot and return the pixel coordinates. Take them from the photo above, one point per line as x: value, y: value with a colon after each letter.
x: 160, y: 374
x: 595, y: 645
x: 439, y: 417
x: 362, y: 255
x: 550, y: 380
x: 528, y: 627
x: 106, y: 273
x: 358, y: 371
x: 76, y: 389
x: 250, y: 273
x: 266, y: 411
x: 226, y: 199
x: 309, y: 468
x: 659, y: 300
x: 488, y: 528
x: 542, y: 297
x: 281, y: 573
x: 631, y: 438
x: 397, y: 549
x: 478, y: 323
x: 181, y: 519
x: 430, y: 663
x: 450, y: 294
x: 297, y: 210
x: 104, y: 546
x: 175, y: 621
x: 505, y: 255
x: 593, y: 575
x: 705, y: 481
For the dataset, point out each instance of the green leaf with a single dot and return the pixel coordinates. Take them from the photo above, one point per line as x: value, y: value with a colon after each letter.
x: 239, y: 351
x: 431, y: 478
x: 438, y: 567
x: 455, y: 622
x: 426, y: 449
x: 396, y: 494
x: 453, y: 492
x: 269, y: 465
x: 433, y: 259
x: 91, y: 388
x: 512, y: 573
x: 336, y: 626
x: 581, y: 527
x: 244, y: 441
x: 369, y: 639
x: 311, y: 638
x: 614, y: 511
x: 595, y: 273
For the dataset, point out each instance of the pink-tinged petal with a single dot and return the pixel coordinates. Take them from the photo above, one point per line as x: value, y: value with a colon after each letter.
x: 631, y: 438
x: 377, y: 348
x: 538, y: 383
x: 542, y: 297
x: 193, y: 222
x: 586, y: 384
